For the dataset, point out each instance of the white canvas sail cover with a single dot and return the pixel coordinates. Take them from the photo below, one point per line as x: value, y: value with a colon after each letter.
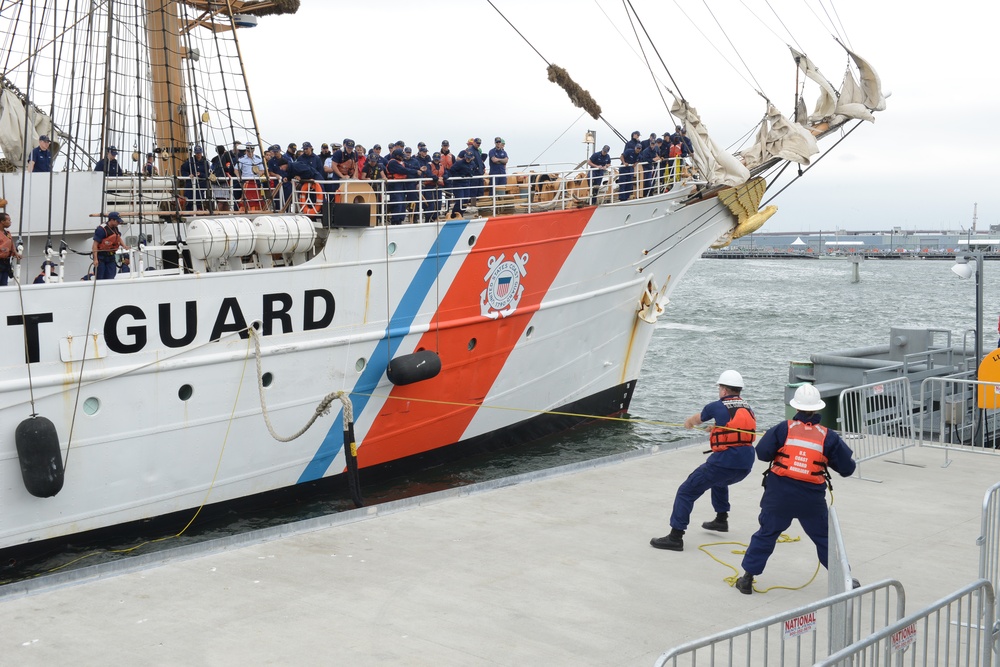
x: 780, y: 138
x: 826, y: 105
x: 871, y: 84
x: 12, y: 126
x: 851, y: 103
x: 718, y: 167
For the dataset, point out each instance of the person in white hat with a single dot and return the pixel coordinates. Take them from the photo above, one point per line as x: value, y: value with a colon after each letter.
x: 801, y: 453
x: 730, y: 462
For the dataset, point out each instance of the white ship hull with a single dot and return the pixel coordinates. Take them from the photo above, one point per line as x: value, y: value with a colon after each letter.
x: 151, y: 382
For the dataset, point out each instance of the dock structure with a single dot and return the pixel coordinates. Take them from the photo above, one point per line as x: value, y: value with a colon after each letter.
x: 546, y: 568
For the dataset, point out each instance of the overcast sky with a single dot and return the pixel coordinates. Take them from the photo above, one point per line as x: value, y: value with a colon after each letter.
x: 454, y: 69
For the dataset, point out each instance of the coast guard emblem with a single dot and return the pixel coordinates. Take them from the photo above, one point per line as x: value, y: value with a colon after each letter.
x: 503, y: 285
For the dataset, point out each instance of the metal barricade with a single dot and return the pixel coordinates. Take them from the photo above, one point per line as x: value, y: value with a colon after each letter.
x: 795, y: 637
x: 879, y: 416
x: 960, y: 414
x: 989, y: 540
x: 956, y: 631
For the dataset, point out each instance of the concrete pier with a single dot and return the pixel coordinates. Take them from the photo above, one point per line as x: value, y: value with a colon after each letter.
x: 545, y: 569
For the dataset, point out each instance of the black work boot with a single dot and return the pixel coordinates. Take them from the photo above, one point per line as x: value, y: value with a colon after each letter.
x: 720, y: 524
x: 672, y: 542
x: 745, y: 584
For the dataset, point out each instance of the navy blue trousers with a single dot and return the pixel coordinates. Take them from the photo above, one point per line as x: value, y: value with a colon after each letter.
x: 701, y: 479
x: 772, y: 525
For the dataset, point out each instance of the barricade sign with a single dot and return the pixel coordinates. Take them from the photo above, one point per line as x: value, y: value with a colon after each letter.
x: 901, y: 639
x: 800, y: 625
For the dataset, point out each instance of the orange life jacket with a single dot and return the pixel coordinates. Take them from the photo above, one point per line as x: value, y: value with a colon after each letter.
x: 395, y: 175
x: 111, y: 241
x: 739, y: 431
x: 801, y: 457
x: 6, y: 245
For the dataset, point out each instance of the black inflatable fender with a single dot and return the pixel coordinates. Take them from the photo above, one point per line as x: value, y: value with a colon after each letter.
x: 38, y: 452
x: 410, y: 368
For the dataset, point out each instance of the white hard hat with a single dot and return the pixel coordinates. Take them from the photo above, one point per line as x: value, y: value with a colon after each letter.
x: 731, y: 378
x: 807, y: 399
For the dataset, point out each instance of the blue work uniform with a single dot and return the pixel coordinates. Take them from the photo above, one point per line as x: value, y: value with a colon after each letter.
x: 107, y: 268
x: 396, y: 171
x: 109, y: 167
x: 602, y: 160
x: 277, y: 167
x: 460, y: 177
x: 42, y: 160
x: 785, y: 498
x: 626, y: 177
x: 195, y: 171
x: 648, y: 158
x: 717, y: 473
x: 498, y: 170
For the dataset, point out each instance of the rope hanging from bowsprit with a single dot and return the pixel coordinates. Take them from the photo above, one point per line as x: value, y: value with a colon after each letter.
x: 579, y: 96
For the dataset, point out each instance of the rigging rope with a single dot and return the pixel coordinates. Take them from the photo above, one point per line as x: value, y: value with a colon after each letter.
x: 564, y: 82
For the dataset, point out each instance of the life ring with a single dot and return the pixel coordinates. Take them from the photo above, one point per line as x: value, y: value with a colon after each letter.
x: 306, y: 205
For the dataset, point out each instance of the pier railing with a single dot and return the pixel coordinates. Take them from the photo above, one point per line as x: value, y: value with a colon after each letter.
x: 989, y: 541
x: 393, y: 201
x: 877, y: 418
x: 960, y: 414
x: 956, y: 630
x: 800, y: 636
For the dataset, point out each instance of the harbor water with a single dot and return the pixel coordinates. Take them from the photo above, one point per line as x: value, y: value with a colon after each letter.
x: 751, y: 315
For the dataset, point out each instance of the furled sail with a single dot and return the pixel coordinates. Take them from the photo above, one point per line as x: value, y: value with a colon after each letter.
x: 871, y: 85
x: 12, y: 125
x: 826, y: 105
x: 780, y: 138
x: 717, y: 166
x: 851, y: 103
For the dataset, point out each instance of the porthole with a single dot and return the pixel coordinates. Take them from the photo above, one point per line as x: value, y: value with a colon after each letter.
x: 531, y: 330
x: 369, y: 273
x: 472, y: 240
x: 266, y: 379
x: 91, y: 406
x: 185, y: 392
x: 360, y: 364
x: 472, y: 344
x: 391, y: 249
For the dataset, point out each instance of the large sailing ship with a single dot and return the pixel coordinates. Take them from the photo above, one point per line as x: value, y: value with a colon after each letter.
x: 203, y: 375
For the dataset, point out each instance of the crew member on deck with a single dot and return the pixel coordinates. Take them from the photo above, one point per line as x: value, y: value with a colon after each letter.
x: 107, y: 239
x: 498, y: 163
x: 7, y: 250
x: 109, y: 165
x: 41, y: 157
x: 800, y: 452
x: 730, y: 461
x: 626, y: 177
x: 598, y: 162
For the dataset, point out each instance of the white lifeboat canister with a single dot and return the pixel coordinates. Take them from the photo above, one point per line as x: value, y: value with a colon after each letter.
x: 221, y: 238
x: 277, y: 234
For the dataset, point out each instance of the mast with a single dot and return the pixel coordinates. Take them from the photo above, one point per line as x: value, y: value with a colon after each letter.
x: 169, y: 107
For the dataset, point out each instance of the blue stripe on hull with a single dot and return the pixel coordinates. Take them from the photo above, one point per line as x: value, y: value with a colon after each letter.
x: 399, y: 325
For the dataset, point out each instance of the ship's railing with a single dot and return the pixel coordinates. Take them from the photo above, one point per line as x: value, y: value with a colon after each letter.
x: 800, y: 636
x: 960, y: 414
x: 399, y: 201
x: 989, y: 540
x: 957, y: 630
x: 879, y: 416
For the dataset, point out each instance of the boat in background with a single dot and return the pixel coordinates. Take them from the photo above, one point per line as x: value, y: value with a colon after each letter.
x: 201, y: 376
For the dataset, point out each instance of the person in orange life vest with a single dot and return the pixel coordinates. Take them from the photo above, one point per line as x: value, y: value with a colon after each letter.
x: 434, y: 186
x: 800, y: 452
x: 7, y: 249
x: 107, y: 239
x: 447, y: 159
x: 730, y: 461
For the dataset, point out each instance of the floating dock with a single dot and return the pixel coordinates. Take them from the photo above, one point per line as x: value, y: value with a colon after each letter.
x: 546, y: 568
